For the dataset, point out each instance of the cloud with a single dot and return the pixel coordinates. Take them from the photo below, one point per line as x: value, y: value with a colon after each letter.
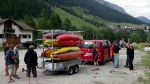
x: 134, y: 7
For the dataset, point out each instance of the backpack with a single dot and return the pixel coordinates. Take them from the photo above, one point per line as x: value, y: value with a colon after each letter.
x: 31, y: 59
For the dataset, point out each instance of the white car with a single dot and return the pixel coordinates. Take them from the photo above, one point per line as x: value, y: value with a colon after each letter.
x: 147, y: 49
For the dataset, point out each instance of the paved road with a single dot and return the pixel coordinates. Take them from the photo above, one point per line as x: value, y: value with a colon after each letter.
x: 106, y: 75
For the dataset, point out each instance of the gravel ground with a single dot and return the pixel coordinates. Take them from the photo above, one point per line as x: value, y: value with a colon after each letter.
x: 106, y: 75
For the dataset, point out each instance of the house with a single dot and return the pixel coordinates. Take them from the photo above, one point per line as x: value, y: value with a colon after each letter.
x: 11, y: 28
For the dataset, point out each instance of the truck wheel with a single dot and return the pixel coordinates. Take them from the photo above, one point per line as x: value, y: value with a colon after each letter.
x: 70, y: 71
x: 103, y: 62
x: 76, y: 69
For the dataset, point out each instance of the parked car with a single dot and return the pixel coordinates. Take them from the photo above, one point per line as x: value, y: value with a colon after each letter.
x: 28, y: 43
x: 104, y: 51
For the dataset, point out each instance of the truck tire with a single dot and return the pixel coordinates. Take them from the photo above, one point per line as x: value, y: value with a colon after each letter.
x: 70, y: 71
x: 103, y: 62
x: 76, y: 69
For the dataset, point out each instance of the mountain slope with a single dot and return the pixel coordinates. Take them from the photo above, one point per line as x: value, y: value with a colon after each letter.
x: 113, y: 6
x: 97, y: 9
x: 75, y: 20
x: 144, y: 19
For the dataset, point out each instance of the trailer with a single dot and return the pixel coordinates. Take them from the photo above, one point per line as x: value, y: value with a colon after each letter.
x: 70, y: 66
x: 52, y: 65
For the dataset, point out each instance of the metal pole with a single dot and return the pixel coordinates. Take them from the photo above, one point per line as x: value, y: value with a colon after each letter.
x: 43, y: 47
x: 52, y: 51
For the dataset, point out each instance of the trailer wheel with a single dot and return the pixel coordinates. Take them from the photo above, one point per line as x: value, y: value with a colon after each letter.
x: 76, y: 69
x: 70, y: 71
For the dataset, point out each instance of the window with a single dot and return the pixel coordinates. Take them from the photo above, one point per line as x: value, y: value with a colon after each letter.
x: 88, y: 44
x: 24, y: 36
x: 104, y: 44
x: 1, y: 35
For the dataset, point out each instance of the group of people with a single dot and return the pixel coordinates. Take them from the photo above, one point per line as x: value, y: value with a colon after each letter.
x: 115, y: 52
x: 11, y: 53
x: 129, y: 52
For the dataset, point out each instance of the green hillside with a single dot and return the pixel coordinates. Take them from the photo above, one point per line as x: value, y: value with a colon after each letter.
x: 75, y: 20
x: 79, y: 22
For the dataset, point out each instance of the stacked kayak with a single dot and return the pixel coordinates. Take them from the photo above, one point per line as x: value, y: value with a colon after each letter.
x: 68, y: 46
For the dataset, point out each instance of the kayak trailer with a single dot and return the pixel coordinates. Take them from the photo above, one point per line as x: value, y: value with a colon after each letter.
x: 52, y: 65
x: 70, y: 66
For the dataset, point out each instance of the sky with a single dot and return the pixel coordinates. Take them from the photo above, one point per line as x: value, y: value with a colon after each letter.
x: 134, y: 7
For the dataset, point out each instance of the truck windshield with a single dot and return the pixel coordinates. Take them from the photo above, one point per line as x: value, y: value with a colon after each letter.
x: 88, y: 45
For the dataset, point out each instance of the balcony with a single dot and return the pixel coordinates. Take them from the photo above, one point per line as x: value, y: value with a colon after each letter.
x: 9, y: 31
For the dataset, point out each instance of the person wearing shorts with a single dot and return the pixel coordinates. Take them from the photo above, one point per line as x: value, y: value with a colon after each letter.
x: 6, y: 67
x: 10, y: 62
x: 95, y: 57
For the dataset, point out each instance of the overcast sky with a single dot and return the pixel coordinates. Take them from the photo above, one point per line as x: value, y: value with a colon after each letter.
x: 134, y: 7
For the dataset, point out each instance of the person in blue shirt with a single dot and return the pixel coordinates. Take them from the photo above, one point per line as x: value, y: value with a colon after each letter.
x: 10, y: 62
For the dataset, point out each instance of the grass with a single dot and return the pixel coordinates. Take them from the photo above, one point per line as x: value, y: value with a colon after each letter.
x: 1, y: 49
x: 75, y: 20
x: 146, y: 63
x: 79, y: 11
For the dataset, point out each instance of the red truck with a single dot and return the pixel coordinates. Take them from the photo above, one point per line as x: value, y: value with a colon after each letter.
x: 104, y: 50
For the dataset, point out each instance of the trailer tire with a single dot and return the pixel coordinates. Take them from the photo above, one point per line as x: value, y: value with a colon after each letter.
x: 76, y: 69
x: 70, y: 71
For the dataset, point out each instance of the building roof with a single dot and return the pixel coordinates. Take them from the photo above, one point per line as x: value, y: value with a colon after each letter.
x: 20, y: 24
x: 24, y: 26
x: 3, y: 20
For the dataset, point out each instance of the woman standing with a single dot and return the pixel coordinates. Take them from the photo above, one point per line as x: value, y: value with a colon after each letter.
x: 131, y: 57
x: 95, y: 57
x: 31, y: 60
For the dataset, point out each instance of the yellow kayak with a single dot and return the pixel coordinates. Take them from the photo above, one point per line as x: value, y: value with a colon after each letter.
x: 49, y: 52
x: 66, y: 49
x: 48, y: 41
x: 62, y: 50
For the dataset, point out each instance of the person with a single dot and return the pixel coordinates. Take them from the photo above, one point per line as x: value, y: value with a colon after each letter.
x: 116, y: 49
x: 16, y: 52
x: 6, y: 67
x: 30, y: 60
x: 127, y: 52
x: 10, y: 62
x: 112, y: 53
x: 131, y: 57
x: 95, y: 57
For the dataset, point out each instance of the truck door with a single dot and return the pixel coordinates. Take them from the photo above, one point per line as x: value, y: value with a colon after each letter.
x: 105, y: 50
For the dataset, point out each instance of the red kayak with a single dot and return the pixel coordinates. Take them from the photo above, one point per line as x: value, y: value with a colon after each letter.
x: 69, y: 43
x: 43, y: 54
x: 68, y: 56
x: 68, y: 37
x: 49, y: 35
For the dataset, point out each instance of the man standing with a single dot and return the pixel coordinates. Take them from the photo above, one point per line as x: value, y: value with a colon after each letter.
x: 16, y: 52
x: 6, y: 67
x: 116, y: 49
x: 10, y: 62
x: 127, y: 52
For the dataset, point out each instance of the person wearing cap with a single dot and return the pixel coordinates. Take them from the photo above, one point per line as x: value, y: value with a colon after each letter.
x: 30, y: 60
x: 6, y: 67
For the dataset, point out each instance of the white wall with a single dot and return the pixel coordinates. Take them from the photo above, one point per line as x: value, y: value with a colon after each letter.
x: 18, y: 32
x: 1, y: 32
